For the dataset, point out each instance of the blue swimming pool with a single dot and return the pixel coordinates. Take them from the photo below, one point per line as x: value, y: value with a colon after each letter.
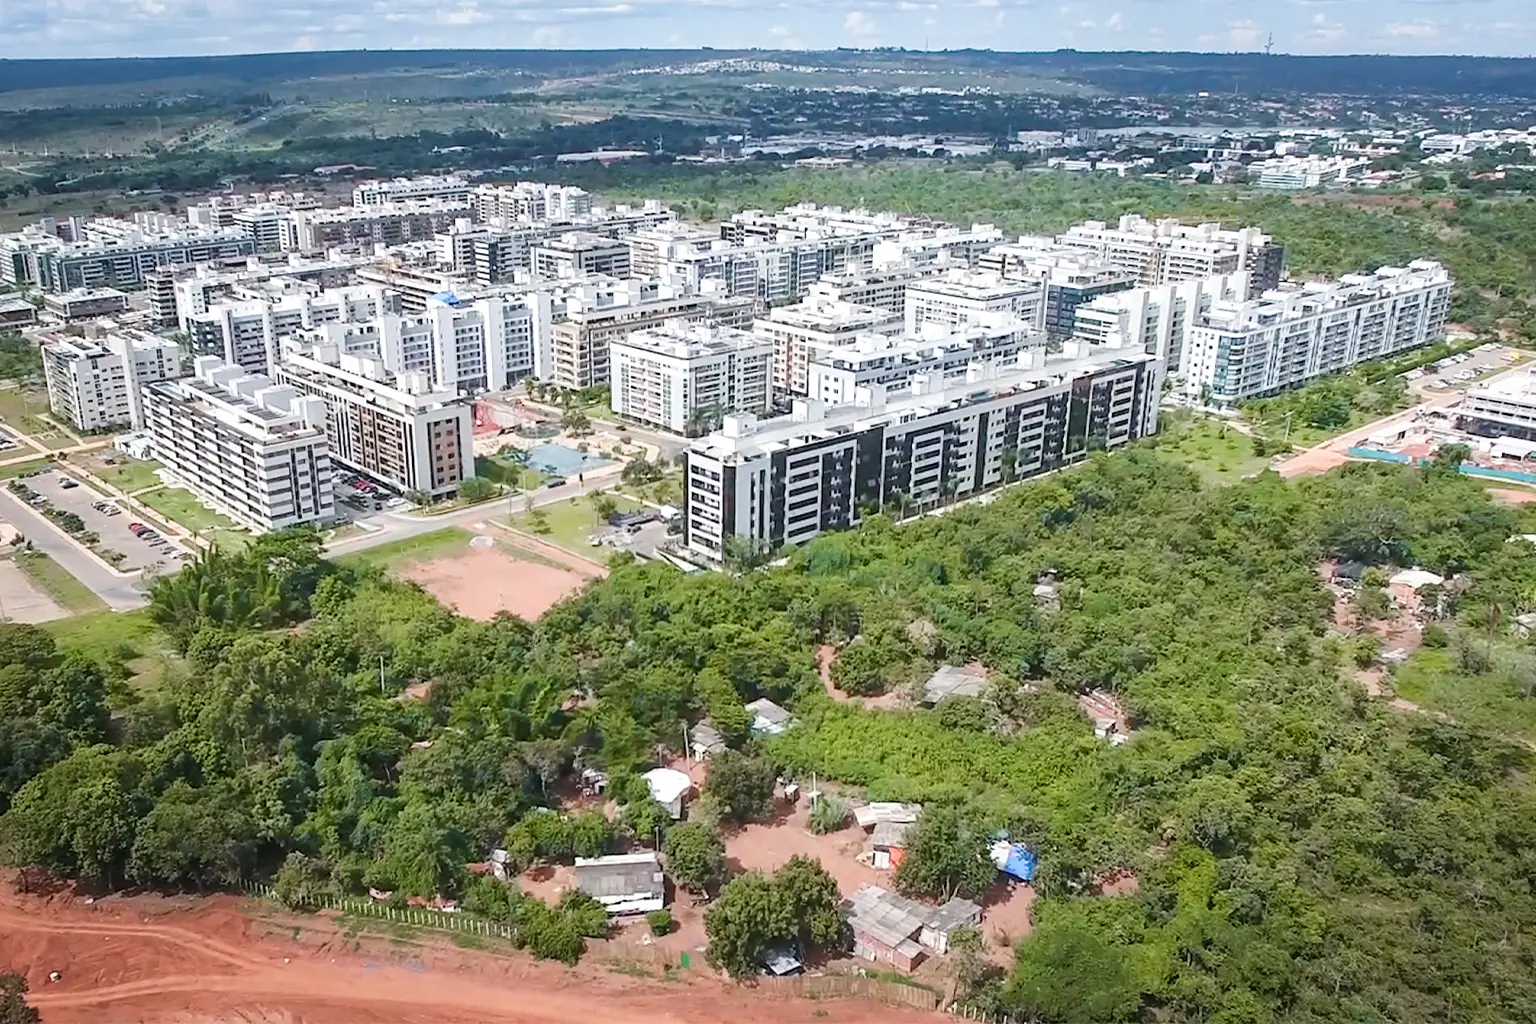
x: 559, y: 460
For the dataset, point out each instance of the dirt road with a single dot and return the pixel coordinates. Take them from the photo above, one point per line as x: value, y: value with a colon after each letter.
x: 146, y: 961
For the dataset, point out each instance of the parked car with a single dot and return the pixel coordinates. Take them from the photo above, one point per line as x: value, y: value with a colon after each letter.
x: 556, y: 483
x: 69, y: 483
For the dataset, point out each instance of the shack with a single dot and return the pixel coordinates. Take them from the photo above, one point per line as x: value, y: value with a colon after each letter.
x: 954, y: 681
x: 768, y: 719
x: 669, y: 787
x: 894, y: 930
x: 626, y: 883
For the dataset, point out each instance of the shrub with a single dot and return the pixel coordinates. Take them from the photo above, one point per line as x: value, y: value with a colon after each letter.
x: 660, y: 921
x: 828, y: 814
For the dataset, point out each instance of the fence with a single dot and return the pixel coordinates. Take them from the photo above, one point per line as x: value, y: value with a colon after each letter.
x: 1467, y: 468
x: 971, y: 1013
x: 828, y: 986
x: 415, y: 917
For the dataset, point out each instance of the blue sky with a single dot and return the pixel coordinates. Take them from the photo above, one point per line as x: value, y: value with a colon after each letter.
x: 102, y: 28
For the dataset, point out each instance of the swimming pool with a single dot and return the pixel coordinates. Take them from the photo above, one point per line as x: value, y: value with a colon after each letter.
x: 559, y: 460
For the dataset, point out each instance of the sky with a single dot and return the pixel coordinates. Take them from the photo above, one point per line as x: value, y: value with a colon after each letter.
x: 125, y: 28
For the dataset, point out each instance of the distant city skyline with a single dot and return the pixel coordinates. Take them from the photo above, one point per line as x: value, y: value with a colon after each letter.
x: 145, y: 28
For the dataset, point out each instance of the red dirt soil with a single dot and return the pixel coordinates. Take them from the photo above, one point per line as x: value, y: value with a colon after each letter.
x: 1511, y: 495
x: 149, y: 961
x: 483, y: 581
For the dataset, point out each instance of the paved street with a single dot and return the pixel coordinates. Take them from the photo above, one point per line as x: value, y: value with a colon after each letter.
x: 120, y: 594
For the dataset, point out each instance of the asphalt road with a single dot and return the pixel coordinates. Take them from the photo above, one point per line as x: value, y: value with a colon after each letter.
x: 119, y: 594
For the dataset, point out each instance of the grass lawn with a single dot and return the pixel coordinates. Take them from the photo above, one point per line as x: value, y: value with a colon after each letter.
x: 181, y: 506
x: 131, y: 637
x: 23, y: 408
x: 568, y: 523
x: 55, y: 581
x: 18, y: 468
x: 230, y: 541
x: 499, y: 470
x: 1219, y: 452
x: 1490, y: 701
x: 125, y: 474
x: 397, y: 554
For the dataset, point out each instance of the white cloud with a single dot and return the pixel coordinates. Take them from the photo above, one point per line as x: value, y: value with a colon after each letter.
x: 1115, y: 22
x: 546, y: 35
x: 786, y: 38
x: 1088, y: 23
x: 1324, y: 30
x: 859, y: 24
x: 1420, y: 28
x: 1243, y: 35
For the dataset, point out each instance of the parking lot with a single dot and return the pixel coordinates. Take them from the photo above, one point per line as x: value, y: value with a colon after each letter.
x: 358, y: 497
x: 150, y: 552
x: 1462, y: 370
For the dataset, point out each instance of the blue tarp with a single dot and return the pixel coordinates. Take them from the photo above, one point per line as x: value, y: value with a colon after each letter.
x: 1018, y: 861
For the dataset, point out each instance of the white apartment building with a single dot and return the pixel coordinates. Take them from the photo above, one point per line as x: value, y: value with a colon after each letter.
x: 836, y: 375
x: 397, y: 428
x: 378, y: 193
x: 465, y: 346
x: 812, y: 327
x: 1289, y: 173
x: 783, y: 481
x: 176, y: 293
x: 955, y: 298
x: 107, y: 253
x: 579, y: 254
x: 774, y: 272
x: 246, y: 332
x: 1166, y: 250
x: 95, y: 383
x: 810, y: 220
x: 263, y: 223
x: 1243, y: 350
x: 246, y: 446
x: 678, y: 376
x: 1071, y: 276
x: 392, y: 223
x: 1157, y: 319
x: 592, y: 315
x: 531, y: 201
x: 882, y: 287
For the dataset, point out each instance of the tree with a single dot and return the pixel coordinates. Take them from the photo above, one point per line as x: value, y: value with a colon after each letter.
x: 575, y: 422
x: 741, y: 787
x: 476, y: 488
x: 1068, y: 972
x: 811, y: 900
x: 76, y: 819
x: 646, y: 820
x: 193, y: 839
x: 695, y: 856
x: 13, y: 1000
x: 744, y: 924
x: 968, y: 959
x: 640, y: 471
x: 947, y: 855
x: 302, y: 882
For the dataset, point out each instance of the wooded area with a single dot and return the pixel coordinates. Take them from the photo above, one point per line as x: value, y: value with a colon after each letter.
x: 1303, y: 852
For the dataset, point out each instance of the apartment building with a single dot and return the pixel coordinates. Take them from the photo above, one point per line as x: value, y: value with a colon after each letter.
x: 1156, y: 319
x: 1070, y: 275
x: 380, y: 193
x: 774, y: 272
x: 881, y: 287
x: 939, y: 245
x: 246, y: 332
x: 177, y: 292
x: 86, y: 303
x: 1501, y: 408
x: 812, y: 327
x: 809, y: 220
x: 1246, y: 349
x: 531, y: 201
x: 579, y: 254
x: 956, y: 298
x: 684, y: 376
x: 95, y: 382
x: 113, y: 253
x: 465, y: 346
x: 836, y: 375
x: 392, y: 223
x: 484, y: 255
x: 1290, y: 173
x: 263, y: 224
x: 246, y: 446
x: 598, y: 313
x: 397, y: 428
x: 767, y: 484
x: 1164, y: 251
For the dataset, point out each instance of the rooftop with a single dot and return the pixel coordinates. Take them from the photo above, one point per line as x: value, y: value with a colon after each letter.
x: 677, y: 340
x: 953, y: 681
x: 621, y: 875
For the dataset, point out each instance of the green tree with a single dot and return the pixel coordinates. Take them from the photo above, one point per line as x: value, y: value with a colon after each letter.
x: 1068, y: 971
x: 745, y: 922
x: 13, y: 1000
x: 476, y: 488
x: 811, y: 900
x: 947, y: 854
x: 695, y: 856
x: 741, y: 787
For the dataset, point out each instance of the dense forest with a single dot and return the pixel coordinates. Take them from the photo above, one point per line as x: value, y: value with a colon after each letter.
x: 1303, y: 853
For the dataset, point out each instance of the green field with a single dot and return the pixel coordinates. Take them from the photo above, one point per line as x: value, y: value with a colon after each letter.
x: 1219, y: 452
x: 123, y: 473
x: 184, y: 508
x: 395, y: 554
x: 1495, y: 701
x: 131, y: 638
x: 55, y: 581
x: 15, y: 469
x: 499, y: 470
x: 23, y: 409
x: 568, y: 523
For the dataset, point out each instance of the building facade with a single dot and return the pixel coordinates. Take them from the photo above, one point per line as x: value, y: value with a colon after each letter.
x: 396, y: 428
x: 1164, y: 251
x: 682, y: 376
x: 1243, y: 350
x: 812, y: 327
x: 246, y: 446
x: 95, y: 384
x: 957, y: 298
x: 836, y: 375
x: 760, y: 486
x: 377, y: 193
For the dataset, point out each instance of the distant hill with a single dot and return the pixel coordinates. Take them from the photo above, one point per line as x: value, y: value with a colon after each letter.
x: 1121, y: 72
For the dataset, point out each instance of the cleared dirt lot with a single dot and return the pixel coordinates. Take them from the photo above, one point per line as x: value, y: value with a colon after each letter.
x: 21, y: 600
x: 155, y: 961
x: 113, y: 530
x: 481, y: 581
